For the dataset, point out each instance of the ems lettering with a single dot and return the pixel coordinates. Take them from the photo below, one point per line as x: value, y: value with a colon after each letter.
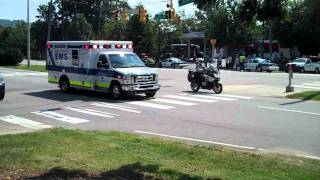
x: 60, y: 56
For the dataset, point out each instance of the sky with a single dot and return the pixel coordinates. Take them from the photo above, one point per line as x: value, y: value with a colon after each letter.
x: 17, y: 9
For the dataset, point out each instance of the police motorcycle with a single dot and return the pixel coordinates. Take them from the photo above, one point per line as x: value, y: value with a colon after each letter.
x: 205, y: 77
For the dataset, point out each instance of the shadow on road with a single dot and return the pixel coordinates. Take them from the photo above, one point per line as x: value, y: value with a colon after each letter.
x: 82, y: 95
x: 135, y: 171
x: 307, y: 98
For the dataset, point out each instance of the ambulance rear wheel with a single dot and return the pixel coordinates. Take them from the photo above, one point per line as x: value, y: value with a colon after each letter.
x: 116, y: 91
x: 65, y: 85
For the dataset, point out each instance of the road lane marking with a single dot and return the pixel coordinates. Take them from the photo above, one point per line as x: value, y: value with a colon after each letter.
x: 27, y: 123
x: 234, y: 96
x: 60, y: 117
x: 88, y: 112
x: 174, y: 102
x: 189, y: 98
x: 306, y: 87
x: 122, y: 108
x: 198, y: 140
x: 221, y: 144
x: 289, y: 110
x: 213, y: 97
x: 311, y: 84
x: 150, y: 105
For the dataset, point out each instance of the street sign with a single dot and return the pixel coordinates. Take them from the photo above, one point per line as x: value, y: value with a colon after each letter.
x: 184, y: 2
x: 213, y: 42
x: 160, y: 16
x: 194, y: 35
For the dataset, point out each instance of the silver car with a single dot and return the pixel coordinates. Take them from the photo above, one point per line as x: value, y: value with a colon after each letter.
x: 173, y: 63
x: 2, y: 87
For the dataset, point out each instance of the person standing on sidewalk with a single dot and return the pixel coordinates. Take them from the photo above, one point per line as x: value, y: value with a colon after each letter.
x: 242, y: 59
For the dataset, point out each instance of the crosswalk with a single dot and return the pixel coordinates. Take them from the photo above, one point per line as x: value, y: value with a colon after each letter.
x: 103, y: 110
x: 309, y: 86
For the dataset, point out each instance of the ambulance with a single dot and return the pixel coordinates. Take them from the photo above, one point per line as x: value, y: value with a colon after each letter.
x: 106, y: 66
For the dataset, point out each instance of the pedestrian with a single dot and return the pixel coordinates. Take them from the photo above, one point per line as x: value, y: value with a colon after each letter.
x: 242, y: 60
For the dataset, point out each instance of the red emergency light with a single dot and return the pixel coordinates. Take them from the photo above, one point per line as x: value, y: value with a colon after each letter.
x: 49, y: 46
x: 118, y: 46
x: 107, y: 46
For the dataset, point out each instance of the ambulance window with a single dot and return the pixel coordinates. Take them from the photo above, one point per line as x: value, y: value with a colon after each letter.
x: 75, y: 58
x: 103, y: 62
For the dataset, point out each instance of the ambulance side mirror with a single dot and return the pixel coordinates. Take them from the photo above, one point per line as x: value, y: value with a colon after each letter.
x: 99, y: 64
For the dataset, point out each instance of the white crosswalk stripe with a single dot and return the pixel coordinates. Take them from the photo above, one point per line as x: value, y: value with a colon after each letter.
x: 118, y: 107
x: 85, y: 111
x: 234, y: 96
x: 306, y: 87
x: 27, y: 123
x: 169, y: 101
x: 60, y: 117
x: 214, y: 97
x: 189, y: 98
x: 24, y: 74
x: 150, y: 105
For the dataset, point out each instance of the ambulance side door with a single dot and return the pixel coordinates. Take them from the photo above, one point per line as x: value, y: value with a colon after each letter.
x: 103, y: 82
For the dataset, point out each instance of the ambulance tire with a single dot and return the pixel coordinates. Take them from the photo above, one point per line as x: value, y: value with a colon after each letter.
x: 116, y: 91
x: 64, y: 84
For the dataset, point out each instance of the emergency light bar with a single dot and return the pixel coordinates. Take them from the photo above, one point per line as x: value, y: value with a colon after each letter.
x: 97, y: 46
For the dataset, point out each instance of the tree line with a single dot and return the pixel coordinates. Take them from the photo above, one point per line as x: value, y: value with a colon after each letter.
x: 295, y: 23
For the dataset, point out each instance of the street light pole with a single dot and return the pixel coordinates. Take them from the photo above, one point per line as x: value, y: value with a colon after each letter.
x: 28, y: 48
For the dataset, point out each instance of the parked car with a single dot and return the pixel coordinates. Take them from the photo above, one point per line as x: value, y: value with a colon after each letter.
x: 304, y: 65
x: 2, y: 87
x: 173, y: 63
x: 259, y: 65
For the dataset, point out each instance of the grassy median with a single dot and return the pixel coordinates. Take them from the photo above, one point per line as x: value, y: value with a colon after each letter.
x: 39, y: 68
x: 69, y: 154
x: 307, y: 95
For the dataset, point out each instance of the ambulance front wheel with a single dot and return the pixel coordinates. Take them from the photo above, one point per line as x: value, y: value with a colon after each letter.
x: 116, y: 91
x: 64, y: 84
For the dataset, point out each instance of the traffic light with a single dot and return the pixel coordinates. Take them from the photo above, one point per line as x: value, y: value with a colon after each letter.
x: 143, y: 15
x: 170, y: 13
x: 124, y: 15
x: 115, y: 15
x: 178, y: 19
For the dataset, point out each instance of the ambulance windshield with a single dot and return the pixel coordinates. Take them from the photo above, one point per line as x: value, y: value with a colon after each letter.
x: 125, y: 60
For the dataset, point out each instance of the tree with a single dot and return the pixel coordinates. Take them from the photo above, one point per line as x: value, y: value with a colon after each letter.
x: 13, y: 44
x: 80, y: 29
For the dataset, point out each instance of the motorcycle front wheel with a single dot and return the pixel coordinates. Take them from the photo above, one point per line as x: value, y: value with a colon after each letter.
x: 217, y: 88
x: 194, y: 86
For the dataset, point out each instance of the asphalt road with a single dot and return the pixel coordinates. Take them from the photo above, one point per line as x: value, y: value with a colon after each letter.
x: 251, y: 113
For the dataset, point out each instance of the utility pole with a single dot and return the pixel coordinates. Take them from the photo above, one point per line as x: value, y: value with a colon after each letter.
x: 28, y: 48
x: 49, y: 25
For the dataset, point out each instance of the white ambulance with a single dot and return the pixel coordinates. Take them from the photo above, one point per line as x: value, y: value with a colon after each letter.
x: 108, y: 66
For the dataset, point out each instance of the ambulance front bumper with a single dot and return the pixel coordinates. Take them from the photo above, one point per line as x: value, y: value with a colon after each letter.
x: 137, y: 88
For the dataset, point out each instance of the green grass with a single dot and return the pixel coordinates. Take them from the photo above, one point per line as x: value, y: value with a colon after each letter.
x: 307, y: 95
x: 38, y: 68
x: 63, y: 154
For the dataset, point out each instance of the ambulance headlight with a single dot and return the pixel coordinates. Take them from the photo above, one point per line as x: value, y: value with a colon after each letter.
x: 127, y: 79
x: 155, y: 77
